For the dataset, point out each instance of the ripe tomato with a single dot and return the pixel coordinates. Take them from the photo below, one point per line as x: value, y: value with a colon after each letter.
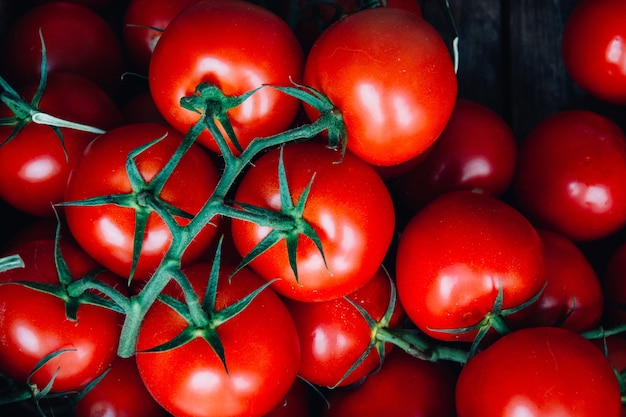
x: 34, y: 323
x: 334, y: 334
x: 390, y: 75
x: 594, y: 48
x: 477, y: 151
x: 539, y: 371
x: 70, y: 31
x: 404, y: 387
x: 121, y: 393
x: 107, y: 231
x: 261, y: 351
x: 572, y: 297
x: 33, y: 165
x: 142, y: 19
x: 260, y: 49
x: 456, y: 253
x: 570, y: 175
x: 348, y: 206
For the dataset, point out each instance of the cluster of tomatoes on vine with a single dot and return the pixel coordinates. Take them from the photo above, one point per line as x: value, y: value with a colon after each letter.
x: 297, y: 216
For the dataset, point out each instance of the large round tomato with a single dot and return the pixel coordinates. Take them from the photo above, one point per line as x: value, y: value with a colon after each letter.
x: 477, y: 151
x: 34, y: 323
x: 594, y: 48
x: 348, y: 206
x: 457, y: 253
x: 334, y: 334
x: 261, y: 351
x: 390, y: 75
x: 34, y: 166
x: 238, y: 47
x: 77, y: 40
x: 540, y: 371
x: 404, y: 387
x: 570, y: 175
x: 106, y: 231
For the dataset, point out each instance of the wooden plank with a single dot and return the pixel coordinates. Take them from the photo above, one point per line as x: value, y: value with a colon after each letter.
x: 481, y: 67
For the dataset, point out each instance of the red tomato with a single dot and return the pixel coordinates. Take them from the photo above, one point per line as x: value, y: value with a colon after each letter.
x: 348, y: 206
x: 390, y: 75
x: 34, y: 323
x: 540, y: 371
x: 572, y: 297
x: 261, y: 49
x: 404, y: 387
x: 261, y: 350
x: 121, y: 393
x: 107, y: 231
x: 70, y: 32
x: 456, y: 253
x: 334, y: 334
x: 570, y: 175
x: 33, y: 165
x: 477, y: 151
x: 614, y: 348
x: 144, y: 21
x: 594, y: 48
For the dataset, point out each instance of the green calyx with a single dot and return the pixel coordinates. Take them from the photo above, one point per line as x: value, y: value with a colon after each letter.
x: 25, y: 113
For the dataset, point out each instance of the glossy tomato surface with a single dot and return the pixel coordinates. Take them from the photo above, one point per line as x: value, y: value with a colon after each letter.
x: 36, y: 163
x: 570, y: 175
x: 404, y: 387
x: 261, y: 49
x: 540, y: 371
x: 121, y: 393
x: 261, y: 351
x: 572, y: 297
x: 334, y: 335
x: 34, y: 324
x: 594, y: 48
x: 348, y: 206
x: 476, y: 151
x: 390, y: 75
x: 457, y: 253
x: 106, y: 231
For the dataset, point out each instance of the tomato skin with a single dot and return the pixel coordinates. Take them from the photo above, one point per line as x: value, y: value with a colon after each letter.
x: 141, y: 41
x: 106, y: 232
x: 70, y: 31
x: 34, y: 169
x: 333, y: 334
x: 538, y: 372
x: 455, y: 253
x: 260, y: 344
x: 390, y: 75
x: 404, y: 387
x: 34, y: 323
x: 573, y: 297
x: 570, y: 175
x: 121, y: 393
x: 261, y: 49
x: 593, y: 47
x: 476, y: 151
x: 348, y: 206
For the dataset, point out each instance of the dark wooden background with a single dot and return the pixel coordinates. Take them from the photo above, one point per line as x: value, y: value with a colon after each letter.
x: 510, y: 58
